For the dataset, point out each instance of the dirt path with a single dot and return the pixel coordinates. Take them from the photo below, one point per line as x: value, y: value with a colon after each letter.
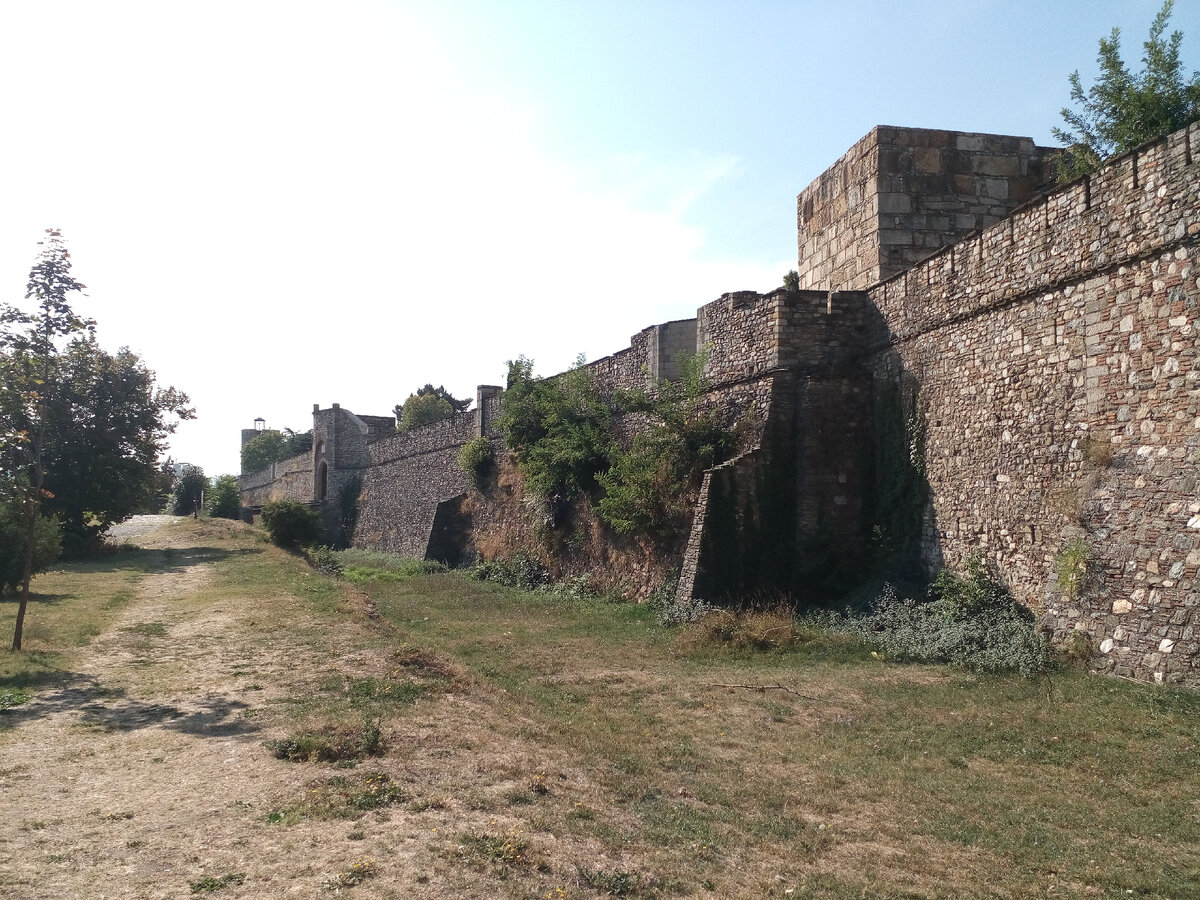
x: 147, y: 772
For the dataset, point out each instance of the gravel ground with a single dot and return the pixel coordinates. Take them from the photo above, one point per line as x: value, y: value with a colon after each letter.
x: 136, y: 526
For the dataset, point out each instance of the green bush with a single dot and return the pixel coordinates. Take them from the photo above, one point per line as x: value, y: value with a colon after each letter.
x: 971, y: 621
x: 521, y: 570
x: 325, y: 560
x: 47, y: 544
x: 224, y: 500
x: 559, y: 429
x: 291, y: 524
x: 476, y: 458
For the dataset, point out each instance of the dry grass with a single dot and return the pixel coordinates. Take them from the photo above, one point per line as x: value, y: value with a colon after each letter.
x: 536, y: 747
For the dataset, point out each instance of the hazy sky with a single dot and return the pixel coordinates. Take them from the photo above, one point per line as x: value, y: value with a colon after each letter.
x: 285, y: 203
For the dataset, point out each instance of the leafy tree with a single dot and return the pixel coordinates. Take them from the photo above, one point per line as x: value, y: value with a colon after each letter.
x: 224, y: 498
x: 428, y: 404
x: 187, y: 494
x: 791, y: 280
x: 109, y: 425
x: 272, y: 446
x: 1124, y: 109
x: 81, y: 428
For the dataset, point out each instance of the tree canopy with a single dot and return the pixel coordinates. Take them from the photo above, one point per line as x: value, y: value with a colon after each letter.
x: 1124, y: 109
x: 271, y: 446
x: 428, y: 404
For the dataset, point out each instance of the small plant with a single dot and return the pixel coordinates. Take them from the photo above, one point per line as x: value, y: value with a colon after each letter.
x: 1078, y: 646
x: 290, y: 524
x: 1097, y: 449
x: 508, y: 851
x: 476, y: 459
x: 335, y: 743
x: 614, y: 883
x: 325, y: 560
x: 10, y: 697
x: 361, y: 870
x: 208, y: 884
x: 1071, y: 566
x: 768, y: 629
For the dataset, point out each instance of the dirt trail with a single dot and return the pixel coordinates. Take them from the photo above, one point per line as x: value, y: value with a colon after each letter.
x: 147, y: 772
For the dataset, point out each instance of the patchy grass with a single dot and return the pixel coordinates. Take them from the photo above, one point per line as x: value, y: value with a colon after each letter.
x: 542, y: 745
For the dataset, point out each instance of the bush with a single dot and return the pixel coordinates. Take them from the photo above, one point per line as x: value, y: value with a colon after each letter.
x: 224, y: 499
x: 324, y: 560
x: 971, y: 622
x: 47, y: 537
x: 521, y: 570
x: 476, y: 458
x: 291, y: 524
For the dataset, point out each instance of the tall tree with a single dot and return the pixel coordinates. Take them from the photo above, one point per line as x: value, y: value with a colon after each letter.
x: 31, y: 345
x: 1124, y: 109
x: 83, y: 428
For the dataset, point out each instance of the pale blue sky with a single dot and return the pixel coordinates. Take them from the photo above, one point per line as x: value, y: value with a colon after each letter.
x: 282, y: 203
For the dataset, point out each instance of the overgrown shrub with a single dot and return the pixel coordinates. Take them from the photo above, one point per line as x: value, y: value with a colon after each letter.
x: 291, y: 524
x: 476, y: 459
x: 324, y: 560
x: 970, y: 621
x: 559, y: 429
x: 766, y: 629
x: 521, y: 570
x: 47, y: 545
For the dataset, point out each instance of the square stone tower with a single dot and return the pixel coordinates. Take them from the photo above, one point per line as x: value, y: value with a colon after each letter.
x: 901, y: 194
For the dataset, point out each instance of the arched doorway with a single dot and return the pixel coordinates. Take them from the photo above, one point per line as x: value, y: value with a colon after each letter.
x: 322, y: 479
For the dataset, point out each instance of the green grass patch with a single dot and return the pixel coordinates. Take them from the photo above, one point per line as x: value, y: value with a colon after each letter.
x: 346, y: 796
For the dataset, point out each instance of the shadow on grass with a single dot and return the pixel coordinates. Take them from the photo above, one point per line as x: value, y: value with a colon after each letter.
x: 111, y: 710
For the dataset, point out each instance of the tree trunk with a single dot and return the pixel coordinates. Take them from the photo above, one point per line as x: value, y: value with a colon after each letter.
x: 31, y: 511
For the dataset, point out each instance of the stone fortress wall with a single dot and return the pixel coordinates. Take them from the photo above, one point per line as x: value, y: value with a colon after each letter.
x: 968, y: 365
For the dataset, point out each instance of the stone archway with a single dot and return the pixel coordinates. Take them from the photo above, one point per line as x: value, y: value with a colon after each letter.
x: 322, y: 479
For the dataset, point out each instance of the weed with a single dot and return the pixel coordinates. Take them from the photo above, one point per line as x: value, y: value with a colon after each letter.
x: 1071, y: 566
x: 508, y: 851
x: 208, y: 884
x: 1078, y: 646
x: 476, y: 459
x: 341, y: 797
x: 10, y: 697
x: 333, y: 743
x: 773, y: 629
x: 361, y: 870
x: 1097, y: 449
x: 325, y: 560
x: 614, y: 883
x: 521, y: 570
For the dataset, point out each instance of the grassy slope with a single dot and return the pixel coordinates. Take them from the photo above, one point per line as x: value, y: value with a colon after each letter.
x: 604, y: 760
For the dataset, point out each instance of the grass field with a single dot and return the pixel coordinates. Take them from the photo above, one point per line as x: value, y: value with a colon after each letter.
x: 472, y: 740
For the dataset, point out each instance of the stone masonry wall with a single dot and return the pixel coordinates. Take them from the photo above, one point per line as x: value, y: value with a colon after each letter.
x: 1056, y: 358
x: 900, y: 194
x: 288, y: 479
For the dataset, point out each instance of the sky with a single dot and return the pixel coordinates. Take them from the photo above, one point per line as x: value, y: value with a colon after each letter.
x: 278, y: 204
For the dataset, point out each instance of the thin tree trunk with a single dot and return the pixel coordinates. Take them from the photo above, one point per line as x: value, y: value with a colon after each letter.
x: 26, y: 570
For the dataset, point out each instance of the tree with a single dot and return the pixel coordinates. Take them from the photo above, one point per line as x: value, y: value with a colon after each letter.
x: 791, y: 280
x: 82, y: 429
x: 108, y: 429
x: 30, y: 346
x: 428, y: 404
x: 1123, y: 109
x: 271, y: 446
x: 187, y: 494
x: 224, y: 499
